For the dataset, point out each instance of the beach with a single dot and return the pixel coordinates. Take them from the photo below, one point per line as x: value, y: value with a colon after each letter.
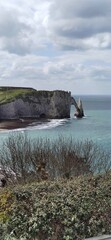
x: 20, y: 123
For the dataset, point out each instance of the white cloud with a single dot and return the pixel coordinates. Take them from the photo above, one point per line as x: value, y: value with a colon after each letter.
x: 79, y: 73
x: 22, y: 28
x: 72, y: 24
x: 53, y: 44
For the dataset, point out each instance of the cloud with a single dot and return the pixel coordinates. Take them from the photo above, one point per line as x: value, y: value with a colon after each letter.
x: 78, y: 73
x: 27, y: 27
x: 22, y: 28
x: 84, y: 9
x: 53, y: 44
x: 73, y: 24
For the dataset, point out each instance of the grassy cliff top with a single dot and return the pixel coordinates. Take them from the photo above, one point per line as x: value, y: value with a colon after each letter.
x: 65, y: 209
x: 8, y: 94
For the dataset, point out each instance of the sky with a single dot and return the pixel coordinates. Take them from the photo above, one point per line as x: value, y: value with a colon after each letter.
x: 56, y: 44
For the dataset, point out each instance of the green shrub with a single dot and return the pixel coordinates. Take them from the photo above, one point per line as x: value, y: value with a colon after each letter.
x: 66, y: 209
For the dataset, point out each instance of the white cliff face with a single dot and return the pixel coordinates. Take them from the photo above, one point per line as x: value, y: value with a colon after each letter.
x: 79, y: 108
x: 42, y: 104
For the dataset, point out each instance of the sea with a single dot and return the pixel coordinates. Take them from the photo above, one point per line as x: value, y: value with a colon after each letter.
x: 95, y: 126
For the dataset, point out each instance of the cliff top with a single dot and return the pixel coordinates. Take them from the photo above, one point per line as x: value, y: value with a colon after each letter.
x: 8, y: 94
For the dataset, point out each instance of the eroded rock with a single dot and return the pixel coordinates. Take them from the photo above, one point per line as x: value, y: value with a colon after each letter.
x: 3, y: 181
x: 79, y: 108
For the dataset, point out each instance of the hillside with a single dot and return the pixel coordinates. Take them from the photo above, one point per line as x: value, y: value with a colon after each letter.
x: 57, y: 210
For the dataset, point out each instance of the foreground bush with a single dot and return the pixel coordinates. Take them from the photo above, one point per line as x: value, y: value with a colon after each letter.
x: 57, y: 210
x: 45, y: 159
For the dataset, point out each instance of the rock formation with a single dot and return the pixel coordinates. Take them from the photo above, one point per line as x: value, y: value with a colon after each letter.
x: 18, y: 103
x: 23, y: 103
x: 79, y: 108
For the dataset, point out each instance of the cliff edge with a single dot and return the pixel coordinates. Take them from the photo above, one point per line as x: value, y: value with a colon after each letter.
x: 18, y: 103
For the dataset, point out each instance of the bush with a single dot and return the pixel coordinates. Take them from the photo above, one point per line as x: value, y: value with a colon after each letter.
x: 26, y: 160
x: 53, y: 210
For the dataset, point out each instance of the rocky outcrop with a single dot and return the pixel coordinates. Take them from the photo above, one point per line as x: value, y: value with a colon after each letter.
x: 79, y: 108
x: 36, y: 104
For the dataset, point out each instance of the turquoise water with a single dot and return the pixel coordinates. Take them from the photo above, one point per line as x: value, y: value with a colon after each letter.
x: 95, y: 126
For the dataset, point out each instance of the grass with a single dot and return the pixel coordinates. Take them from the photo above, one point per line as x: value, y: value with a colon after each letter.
x: 12, y: 93
x: 8, y: 94
x: 57, y: 210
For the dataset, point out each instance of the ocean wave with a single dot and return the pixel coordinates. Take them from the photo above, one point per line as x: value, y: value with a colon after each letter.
x: 53, y: 123
x: 80, y: 118
x: 50, y: 124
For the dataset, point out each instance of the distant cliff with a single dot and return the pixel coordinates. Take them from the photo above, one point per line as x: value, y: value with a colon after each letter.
x: 18, y: 103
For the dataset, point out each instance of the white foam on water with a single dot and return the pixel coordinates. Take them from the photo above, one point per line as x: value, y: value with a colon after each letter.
x: 51, y: 124
x: 80, y: 118
x: 41, y: 126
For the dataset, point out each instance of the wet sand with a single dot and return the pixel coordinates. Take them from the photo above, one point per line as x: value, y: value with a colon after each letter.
x: 20, y: 123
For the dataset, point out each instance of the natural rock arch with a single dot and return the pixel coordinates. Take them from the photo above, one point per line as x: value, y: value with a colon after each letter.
x: 79, y: 108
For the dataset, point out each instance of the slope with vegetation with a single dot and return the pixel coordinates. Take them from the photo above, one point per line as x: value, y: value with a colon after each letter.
x: 72, y: 201
x: 65, y: 209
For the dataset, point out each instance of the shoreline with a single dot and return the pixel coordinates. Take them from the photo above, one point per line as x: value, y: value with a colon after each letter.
x: 12, y: 124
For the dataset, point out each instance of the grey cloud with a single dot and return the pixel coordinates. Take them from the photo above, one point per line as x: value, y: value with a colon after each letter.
x: 81, y: 28
x: 95, y: 9
x: 78, y: 8
x: 92, y: 8
x: 73, y: 26
x: 14, y: 33
x: 16, y: 48
x: 73, y: 20
x: 21, y: 28
x: 10, y: 25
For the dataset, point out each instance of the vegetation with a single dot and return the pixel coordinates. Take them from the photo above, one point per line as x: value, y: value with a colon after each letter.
x: 53, y: 210
x: 10, y: 94
x: 60, y: 191
x: 62, y: 158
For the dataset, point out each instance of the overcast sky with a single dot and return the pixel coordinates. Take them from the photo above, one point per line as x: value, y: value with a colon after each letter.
x: 56, y: 44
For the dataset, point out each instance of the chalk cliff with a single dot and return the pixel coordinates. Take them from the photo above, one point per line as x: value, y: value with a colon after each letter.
x: 18, y: 103
x: 79, y: 108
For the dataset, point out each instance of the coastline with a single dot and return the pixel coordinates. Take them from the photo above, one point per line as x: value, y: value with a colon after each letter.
x: 20, y: 123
